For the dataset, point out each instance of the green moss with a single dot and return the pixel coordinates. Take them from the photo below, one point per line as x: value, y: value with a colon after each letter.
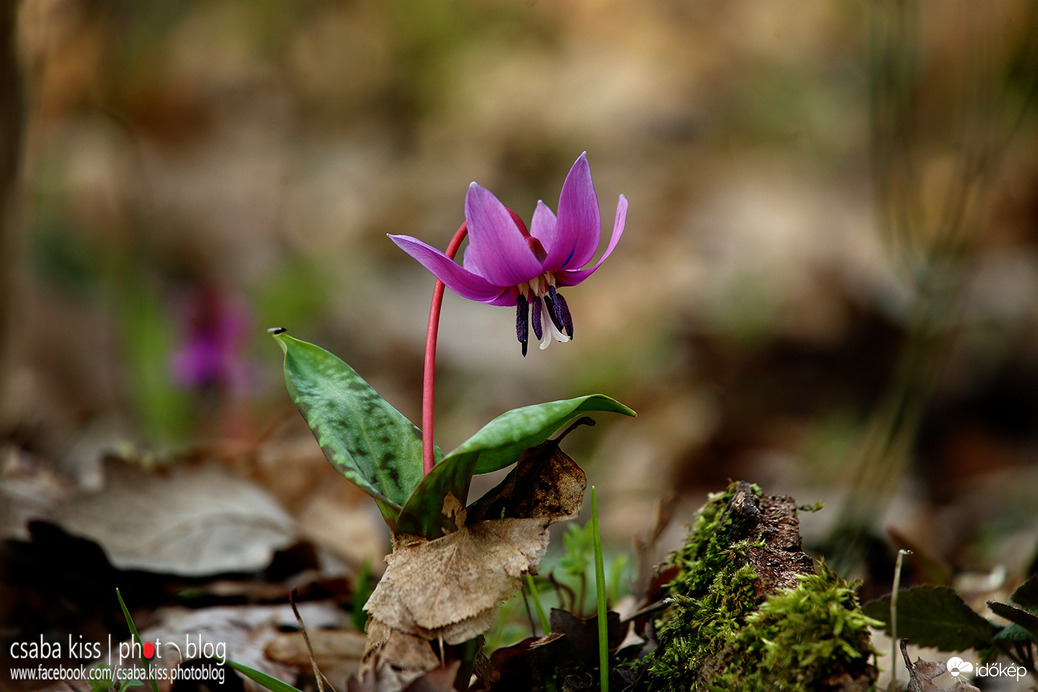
x: 696, y: 629
x: 709, y: 549
x: 726, y: 630
x: 712, y: 594
x: 813, y: 636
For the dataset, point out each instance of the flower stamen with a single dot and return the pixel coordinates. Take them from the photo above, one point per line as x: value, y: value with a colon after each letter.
x: 541, y: 297
x: 535, y: 316
x: 565, y: 320
x: 522, y: 321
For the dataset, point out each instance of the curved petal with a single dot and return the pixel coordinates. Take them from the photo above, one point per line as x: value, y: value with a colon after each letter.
x: 497, y: 248
x: 542, y: 226
x: 458, y: 279
x: 579, y: 224
x: 470, y: 260
x: 573, y: 277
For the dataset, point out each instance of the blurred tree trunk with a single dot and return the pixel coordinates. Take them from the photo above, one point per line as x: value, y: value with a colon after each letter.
x: 12, y: 108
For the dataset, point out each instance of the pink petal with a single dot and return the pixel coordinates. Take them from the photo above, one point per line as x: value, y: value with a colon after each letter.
x: 497, y: 248
x: 542, y: 226
x: 579, y: 224
x: 575, y: 276
x: 458, y: 279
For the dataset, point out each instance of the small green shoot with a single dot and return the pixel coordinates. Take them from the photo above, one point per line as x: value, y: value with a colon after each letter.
x: 580, y: 549
x: 269, y: 682
x: 136, y: 640
x: 600, y: 595
x: 541, y: 617
x: 893, y: 616
x: 576, y: 563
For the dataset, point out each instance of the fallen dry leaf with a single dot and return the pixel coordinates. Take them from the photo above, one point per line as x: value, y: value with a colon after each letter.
x: 393, y: 659
x: 521, y: 667
x: 921, y: 675
x: 448, y: 589
x: 188, y: 520
x: 337, y: 652
x: 440, y: 679
x: 408, y: 652
x: 451, y: 586
x: 375, y: 677
x: 545, y: 484
x: 583, y: 632
x: 29, y: 489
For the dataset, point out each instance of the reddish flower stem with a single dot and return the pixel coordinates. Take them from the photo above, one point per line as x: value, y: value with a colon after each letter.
x: 429, y: 380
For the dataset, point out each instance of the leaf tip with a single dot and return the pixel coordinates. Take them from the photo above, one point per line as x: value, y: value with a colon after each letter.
x: 619, y: 407
x: 279, y: 334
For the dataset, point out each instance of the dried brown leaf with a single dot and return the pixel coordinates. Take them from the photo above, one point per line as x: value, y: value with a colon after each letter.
x: 439, y: 679
x: 582, y: 633
x: 188, y: 520
x: 450, y: 587
x: 337, y: 652
x: 407, y: 652
x: 921, y: 675
x: 545, y: 484
x: 531, y: 664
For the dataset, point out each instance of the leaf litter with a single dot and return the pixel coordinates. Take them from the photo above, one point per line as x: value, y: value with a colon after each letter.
x: 188, y: 520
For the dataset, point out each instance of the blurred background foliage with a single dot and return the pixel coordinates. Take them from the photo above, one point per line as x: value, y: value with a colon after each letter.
x: 827, y: 283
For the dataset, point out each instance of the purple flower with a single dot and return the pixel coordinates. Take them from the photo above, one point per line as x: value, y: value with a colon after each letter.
x: 504, y: 264
x: 210, y: 357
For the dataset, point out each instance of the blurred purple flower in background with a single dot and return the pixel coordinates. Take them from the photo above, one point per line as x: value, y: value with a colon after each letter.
x: 504, y: 264
x: 210, y: 356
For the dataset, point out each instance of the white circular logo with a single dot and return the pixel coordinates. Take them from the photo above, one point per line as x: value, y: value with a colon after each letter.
x: 957, y: 667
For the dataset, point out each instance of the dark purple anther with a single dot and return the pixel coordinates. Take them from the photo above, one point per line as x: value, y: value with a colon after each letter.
x: 522, y: 321
x: 536, y: 318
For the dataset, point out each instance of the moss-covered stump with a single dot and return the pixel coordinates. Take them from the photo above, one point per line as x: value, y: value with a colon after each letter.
x: 749, y: 610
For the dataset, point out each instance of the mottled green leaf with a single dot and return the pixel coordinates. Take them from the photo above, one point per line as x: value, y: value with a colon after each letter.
x: 362, y: 435
x: 935, y: 616
x: 497, y: 445
x: 500, y: 442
